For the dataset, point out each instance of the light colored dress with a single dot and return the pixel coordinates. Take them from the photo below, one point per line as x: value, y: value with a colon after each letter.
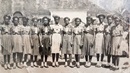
x: 26, y: 40
x: 35, y: 40
x: 88, y: 40
x: 56, y: 38
x: 124, y: 43
x: 6, y: 40
x: 77, y: 40
x: 17, y: 39
x: 99, y: 42
x: 67, y: 39
x: 116, y: 40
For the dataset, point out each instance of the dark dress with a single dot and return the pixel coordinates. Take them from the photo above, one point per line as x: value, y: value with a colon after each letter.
x: 45, y: 40
x: 108, y: 40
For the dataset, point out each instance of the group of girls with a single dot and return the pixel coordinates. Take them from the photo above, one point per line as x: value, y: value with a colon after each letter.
x: 24, y: 40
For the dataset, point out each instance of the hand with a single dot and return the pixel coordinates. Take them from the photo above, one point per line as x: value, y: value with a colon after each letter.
x: 118, y: 46
x: 91, y: 45
x: 32, y: 46
x: 50, y: 44
x: 60, y: 45
x: 81, y: 46
x: 41, y: 45
x: 71, y: 44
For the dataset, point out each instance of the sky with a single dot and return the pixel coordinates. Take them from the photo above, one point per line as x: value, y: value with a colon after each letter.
x: 113, y: 5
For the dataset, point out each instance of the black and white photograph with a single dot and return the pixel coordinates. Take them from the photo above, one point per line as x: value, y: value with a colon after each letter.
x: 64, y: 36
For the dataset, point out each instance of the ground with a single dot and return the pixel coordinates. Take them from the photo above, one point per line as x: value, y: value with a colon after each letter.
x: 63, y: 69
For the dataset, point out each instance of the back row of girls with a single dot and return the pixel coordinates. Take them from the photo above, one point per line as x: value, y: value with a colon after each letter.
x: 22, y: 41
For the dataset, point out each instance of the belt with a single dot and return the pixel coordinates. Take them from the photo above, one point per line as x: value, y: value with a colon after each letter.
x: 57, y: 32
x: 16, y: 34
x: 34, y: 34
x: 117, y: 35
x: 77, y: 34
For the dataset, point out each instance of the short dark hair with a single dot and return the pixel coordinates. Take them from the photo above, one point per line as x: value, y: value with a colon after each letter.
x: 25, y: 19
x: 33, y: 19
x: 66, y: 18
x: 101, y: 15
x: 78, y: 19
x: 56, y: 17
x: 46, y: 18
x: 15, y: 18
x: 6, y: 16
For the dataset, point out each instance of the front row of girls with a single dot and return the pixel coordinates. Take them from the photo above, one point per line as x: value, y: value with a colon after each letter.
x: 24, y: 41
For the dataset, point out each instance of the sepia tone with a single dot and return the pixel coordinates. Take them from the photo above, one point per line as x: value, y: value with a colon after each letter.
x: 64, y: 8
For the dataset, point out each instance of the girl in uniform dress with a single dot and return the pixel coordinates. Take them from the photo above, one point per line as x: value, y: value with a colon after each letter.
x: 67, y: 41
x: 88, y: 41
x: 17, y: 43
x: 6, y: 41
x: 35, y: 41
x: 99, y: 42
x: 26, y: 40
x: 108, y: 39
x: 77, y: 41
x: 117, y: 30
x: 56, y: 41
x: 45, y: 40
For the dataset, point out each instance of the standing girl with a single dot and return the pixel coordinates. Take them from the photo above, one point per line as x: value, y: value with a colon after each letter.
x: 56, y: 41
x: 45, y: 40
x: 17, y: 43
x: 117, y: 31
x: 99, y: 42
x: 26, y: 40
x: 6, y: 41
x: 77, y: 40
x: 67, y: 41
x: 88, y: 41
x: 35, y: 42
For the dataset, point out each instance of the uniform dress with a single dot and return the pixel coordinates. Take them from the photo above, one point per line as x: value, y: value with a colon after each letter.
x: 17, y: 39
x: 116, y: 40
x: 35, y: 40
x: 77, y: 40
x: 26, y: 40
x: 88, y: 40
x: 99, y: 42
x: 56, y: 38
x: 108, y: 39
x: 67, y: 40
x: 45, y: 40
x: 124, y: 43
x: 6, y: 40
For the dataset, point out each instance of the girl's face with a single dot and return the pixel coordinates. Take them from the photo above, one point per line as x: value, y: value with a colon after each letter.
x: 16, y: 21
x: 109, y: 20
x: 117, y: 22
x: 77, y: 22
x: 101, y: 19
x: 6, y: 19
x: 89, y: 21
x: 45, y: 21
x: 57, y: 20
x: 35, y: 22
x: 66, y: 21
